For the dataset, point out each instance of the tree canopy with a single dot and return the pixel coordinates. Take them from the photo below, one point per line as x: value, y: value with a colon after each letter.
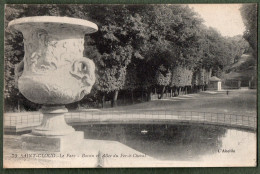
x: 249, y: 16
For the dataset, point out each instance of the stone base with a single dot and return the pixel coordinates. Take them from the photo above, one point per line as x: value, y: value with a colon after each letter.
x: 53, y: 122
x: 52, y: 143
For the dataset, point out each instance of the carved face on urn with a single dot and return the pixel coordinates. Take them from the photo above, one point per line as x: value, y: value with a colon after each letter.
x: 54, y: 70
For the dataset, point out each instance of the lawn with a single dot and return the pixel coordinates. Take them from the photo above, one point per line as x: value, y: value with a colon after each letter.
x: 242, y: 102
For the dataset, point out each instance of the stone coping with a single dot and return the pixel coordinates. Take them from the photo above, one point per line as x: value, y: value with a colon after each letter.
x: 84, y: 25
x: 85, y: 118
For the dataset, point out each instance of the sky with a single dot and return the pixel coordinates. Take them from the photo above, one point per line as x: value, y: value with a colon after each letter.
x: 225, y: 18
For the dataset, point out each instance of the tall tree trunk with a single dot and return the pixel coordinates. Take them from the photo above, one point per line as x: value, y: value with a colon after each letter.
x: 124, y: 98
x: 149, y: 96
x: 114, y: 100
x: 142, y: 95
x: 103, y: 100
x: 176, y: 91
x: 162, y: 93
x: 18, y: 106
x: 186, y: 90
x: 179, y: 90
x: 132, y: 96
x: 145, y: 96
x: 210, y: 72
x: 171, y: 92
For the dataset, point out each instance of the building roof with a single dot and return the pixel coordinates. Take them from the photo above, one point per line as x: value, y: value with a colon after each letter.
x: 214, y: 79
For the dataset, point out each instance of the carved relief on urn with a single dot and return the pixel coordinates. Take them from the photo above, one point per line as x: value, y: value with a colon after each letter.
x: 54, y: 70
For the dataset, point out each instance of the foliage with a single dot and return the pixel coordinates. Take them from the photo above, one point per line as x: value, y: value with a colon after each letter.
x: 163, y: 76
x: 132, y: 81
x: 179, y: 27
x: 116, y: 41
x: 217, y: 52
x: 181, y: 77
x: 201, y: 77
x: 249, y: 16
x: 237, y: 46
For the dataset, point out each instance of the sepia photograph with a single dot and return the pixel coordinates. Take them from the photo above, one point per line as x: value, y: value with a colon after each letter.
x: 130, y: 85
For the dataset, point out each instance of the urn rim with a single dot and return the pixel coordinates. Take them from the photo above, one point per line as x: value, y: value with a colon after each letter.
x: 86, y: 26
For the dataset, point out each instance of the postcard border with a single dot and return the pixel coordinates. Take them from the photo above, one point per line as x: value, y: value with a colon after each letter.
x: 230, y: 170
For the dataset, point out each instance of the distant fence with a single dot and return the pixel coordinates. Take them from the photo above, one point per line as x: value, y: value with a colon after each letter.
x: 135, y: 117
x: 22, y: 118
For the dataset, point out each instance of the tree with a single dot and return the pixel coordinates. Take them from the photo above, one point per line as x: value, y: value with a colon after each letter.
x: 181, y: 77
x: 237, y: 46
x: 162, y: 77
x: 215, y: 51
x: 117, y: 39
x: 249, y: 16
x: 180, y: 26
x: 132, y: 81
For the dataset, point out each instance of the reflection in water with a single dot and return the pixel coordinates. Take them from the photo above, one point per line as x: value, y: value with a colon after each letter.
x: 174, y: 142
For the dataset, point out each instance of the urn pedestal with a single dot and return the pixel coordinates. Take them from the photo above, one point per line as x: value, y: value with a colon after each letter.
x: 53, y: 73
x: 53, y: 123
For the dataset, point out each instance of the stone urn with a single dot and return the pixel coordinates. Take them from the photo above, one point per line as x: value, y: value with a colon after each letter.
x: 54, y: 71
